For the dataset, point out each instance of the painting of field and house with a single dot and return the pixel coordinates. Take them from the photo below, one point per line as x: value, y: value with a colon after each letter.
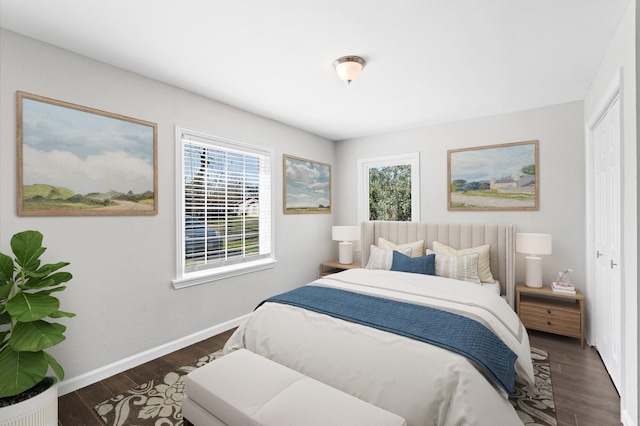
x: 494, y: 177
x: 75, y: 160
x: 307, y: 186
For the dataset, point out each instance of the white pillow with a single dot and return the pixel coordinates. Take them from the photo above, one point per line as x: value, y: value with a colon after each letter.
x: 464, y: 268
x: 382, y: 259
x: 484, y: 258
x: 417, y: 247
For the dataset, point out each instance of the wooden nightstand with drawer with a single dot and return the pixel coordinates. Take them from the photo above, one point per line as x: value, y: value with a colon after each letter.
x: 545, y: 310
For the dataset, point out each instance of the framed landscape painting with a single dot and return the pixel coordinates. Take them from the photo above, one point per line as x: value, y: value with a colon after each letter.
x: 494, y: 177
x: 74, y: 160
x: 307, y: 186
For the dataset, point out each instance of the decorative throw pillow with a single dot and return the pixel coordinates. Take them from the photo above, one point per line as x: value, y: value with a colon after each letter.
x: 417, y: 247
x: 382, y: 259
x: 484, y: 258
x: 417, y: 265
x: 463, y: 268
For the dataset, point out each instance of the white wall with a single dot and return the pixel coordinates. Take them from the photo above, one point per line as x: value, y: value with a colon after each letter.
x: 123, y: 265
x: 620, y: 60
x: 559, y: 130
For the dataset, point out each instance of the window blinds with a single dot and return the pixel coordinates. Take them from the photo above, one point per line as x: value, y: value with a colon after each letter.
x: 227, y: 202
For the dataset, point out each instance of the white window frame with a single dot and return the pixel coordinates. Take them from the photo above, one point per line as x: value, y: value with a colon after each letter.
x: 366, y: 164
x: 190, y: 278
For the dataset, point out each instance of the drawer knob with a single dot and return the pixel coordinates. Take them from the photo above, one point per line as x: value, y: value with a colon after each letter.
x: 548, y: 322
x: 548, y: 311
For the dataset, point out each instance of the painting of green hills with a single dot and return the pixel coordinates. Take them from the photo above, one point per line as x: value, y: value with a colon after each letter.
x: 76, y: 160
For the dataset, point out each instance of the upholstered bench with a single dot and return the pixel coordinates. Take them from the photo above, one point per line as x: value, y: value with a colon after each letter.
x: 243, y: 388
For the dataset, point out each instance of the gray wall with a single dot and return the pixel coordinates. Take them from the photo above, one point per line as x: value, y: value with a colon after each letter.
x: 123, y: 265
x: 560, y: 132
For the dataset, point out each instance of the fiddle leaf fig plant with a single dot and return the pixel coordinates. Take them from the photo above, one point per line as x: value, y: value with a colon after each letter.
x: 27, y: 304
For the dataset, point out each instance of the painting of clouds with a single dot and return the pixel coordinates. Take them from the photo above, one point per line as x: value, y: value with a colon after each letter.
x: 307, y: 187
x: 76, y: 160
x: 494, y: 177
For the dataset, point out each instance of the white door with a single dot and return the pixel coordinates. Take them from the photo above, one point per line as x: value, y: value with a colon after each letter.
x: 607, y: 233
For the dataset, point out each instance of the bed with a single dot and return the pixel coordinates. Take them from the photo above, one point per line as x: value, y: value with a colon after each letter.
x: 422, y: 379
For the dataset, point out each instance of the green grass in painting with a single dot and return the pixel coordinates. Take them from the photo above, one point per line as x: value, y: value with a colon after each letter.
x: 58, y: 205
x: 50, y: 197
x: 507, y: 195
x: 46, y: 191
x: 308, y: 210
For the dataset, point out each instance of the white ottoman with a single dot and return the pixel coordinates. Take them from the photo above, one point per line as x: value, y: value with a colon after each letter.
x: 243, y: 388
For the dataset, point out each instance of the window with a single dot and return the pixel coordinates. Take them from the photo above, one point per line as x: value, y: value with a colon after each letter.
x: 225, y: 223
x: 389, y: 188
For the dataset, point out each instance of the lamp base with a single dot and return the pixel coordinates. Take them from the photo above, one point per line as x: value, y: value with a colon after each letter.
x: 534, y: 271
x: 346, y: 253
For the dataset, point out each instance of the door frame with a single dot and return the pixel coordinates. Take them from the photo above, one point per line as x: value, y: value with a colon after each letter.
x: 614, y: 90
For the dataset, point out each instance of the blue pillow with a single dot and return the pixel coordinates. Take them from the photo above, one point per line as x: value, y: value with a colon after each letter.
x: 417, y: 265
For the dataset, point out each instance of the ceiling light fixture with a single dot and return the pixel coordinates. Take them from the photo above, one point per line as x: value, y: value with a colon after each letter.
x: 349, y: 67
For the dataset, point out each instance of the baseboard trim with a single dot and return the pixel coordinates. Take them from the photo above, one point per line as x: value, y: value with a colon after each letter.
x: 78, y: 382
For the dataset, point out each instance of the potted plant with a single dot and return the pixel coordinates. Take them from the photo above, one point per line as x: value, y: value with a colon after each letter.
x: 27, y: 305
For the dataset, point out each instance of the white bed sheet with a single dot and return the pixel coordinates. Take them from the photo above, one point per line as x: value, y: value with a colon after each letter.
x: 425, y: 384
x: 495, y: 287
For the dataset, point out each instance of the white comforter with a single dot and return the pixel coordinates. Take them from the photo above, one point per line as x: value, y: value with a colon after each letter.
x: 425, y: 384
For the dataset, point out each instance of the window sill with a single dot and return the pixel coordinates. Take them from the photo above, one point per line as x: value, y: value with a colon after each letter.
x: 204, y: 277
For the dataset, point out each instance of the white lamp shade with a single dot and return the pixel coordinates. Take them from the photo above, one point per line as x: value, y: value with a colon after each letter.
x: 534, y: 244
x: 345, y: 233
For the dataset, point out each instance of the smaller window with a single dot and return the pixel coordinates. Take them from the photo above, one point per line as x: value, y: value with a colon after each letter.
x: 389, y: 188
x: 225, y: 221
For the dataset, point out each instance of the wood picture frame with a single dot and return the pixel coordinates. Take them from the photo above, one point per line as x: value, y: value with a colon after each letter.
x: 74, y: 160
x: 494, y: 177
x: 306, y: 185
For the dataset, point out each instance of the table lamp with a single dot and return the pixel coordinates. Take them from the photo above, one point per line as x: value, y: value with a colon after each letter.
x: 345, y: 234
x: 533, y: 245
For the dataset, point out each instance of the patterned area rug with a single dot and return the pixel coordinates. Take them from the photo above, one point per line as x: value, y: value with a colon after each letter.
x: 537, y: 409
x: 158, y: 402
x: 155, y: 403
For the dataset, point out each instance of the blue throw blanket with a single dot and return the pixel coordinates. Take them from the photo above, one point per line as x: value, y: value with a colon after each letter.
x: 441, y: 328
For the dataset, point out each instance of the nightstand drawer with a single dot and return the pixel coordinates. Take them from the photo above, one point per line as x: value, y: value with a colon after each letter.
x: 567, y: 326
x: 550, y: 312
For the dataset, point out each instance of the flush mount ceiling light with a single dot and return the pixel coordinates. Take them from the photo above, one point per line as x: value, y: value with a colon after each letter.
x: 349, y: 67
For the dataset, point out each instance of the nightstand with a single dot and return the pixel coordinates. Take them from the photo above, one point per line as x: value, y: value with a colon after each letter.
x: 327, y: 268
x: 546, y: 310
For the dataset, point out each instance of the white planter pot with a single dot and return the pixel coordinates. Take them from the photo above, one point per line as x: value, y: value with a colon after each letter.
x: 41, y: 410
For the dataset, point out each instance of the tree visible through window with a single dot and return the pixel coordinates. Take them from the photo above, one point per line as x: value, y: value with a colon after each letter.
x: 390, y: 193
x: 389, y: 188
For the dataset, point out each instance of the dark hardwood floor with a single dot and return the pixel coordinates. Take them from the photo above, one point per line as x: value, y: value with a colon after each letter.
x: 76, y: 408
x: 583, y: 392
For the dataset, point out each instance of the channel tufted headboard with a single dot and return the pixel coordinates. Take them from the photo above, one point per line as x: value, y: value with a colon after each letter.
x: 460, y: 236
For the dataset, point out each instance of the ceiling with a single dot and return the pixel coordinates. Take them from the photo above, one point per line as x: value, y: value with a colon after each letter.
x: 428, y: 61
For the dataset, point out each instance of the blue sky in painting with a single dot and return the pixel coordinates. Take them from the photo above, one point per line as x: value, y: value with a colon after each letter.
x: 308, y: 184
x: 485, y: 164
x: 85, y: 152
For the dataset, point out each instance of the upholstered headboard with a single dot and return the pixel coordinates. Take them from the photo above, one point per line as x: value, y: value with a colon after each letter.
x: 460, y: 236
